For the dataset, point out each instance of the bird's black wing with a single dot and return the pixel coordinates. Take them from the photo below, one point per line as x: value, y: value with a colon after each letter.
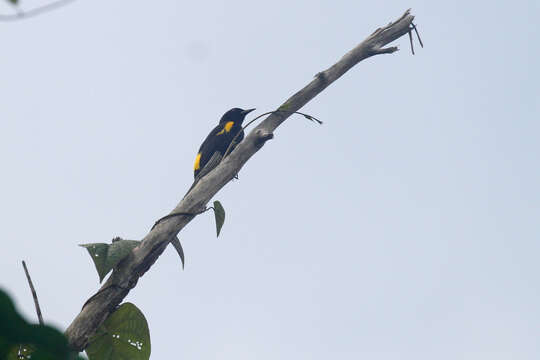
x: 215, y: 144
x: 207, y: 148
x: 210, y: 165
x: 219, y: 151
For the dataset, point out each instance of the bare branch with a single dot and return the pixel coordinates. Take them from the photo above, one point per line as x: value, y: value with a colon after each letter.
x: 128, y: 272
x: 410, y: 39
x: 21, y: 14
x: 418, y: 35
x: 34, y: 295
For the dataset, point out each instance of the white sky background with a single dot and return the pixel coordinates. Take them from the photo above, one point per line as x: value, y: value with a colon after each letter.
x: 405, y: 227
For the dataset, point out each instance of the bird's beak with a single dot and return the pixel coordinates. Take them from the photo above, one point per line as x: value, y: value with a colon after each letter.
x: 245, y: 112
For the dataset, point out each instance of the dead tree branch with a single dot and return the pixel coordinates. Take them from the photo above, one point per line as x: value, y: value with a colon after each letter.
x: 34, y: 295
x: 125, y: 277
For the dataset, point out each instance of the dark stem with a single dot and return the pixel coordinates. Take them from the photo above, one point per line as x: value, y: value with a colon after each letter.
x: 34, y: 295
x: 180, y: 214
x: 410, y: 39
x: 417, y: 35
x: 260, y: 116
x: 21, y: 14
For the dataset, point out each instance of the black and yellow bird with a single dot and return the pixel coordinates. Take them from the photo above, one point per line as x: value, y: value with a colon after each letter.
x: 217, y: 142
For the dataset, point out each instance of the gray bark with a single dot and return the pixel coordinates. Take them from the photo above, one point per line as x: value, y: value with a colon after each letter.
x: 126, y: 275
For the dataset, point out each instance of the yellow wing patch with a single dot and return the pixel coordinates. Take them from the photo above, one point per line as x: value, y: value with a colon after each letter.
x: 228, y: 126
x: 197, y: 165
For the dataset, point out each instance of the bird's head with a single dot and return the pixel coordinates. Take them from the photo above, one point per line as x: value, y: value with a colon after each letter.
x: 236, y: 114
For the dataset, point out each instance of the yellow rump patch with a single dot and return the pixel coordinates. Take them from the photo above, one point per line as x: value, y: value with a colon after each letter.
x: 197, y: 165
x: 228, y: 126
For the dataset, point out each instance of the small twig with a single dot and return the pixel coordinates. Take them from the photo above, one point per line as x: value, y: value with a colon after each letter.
x: 34, y: 295
x: 180, y: 214
x: 411, y: 28
x: 410, y: 39
x: 417, y: 35
x: 21, y: 14
x: 312, y: 118
x: 100, y: 291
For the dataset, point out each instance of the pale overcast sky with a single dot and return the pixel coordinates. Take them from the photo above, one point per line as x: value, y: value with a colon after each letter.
x: 405, y: 227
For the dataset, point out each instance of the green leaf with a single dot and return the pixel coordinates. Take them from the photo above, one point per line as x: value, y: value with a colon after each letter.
x: 219, y: 213
x: 119, y: 250
x: 107, y: 256
x: 36, y: 341
x: 123, y: 336
x: 22, y: 351
x: 312, y: 118
x: 176, y: 243
x: 98, y: 253
x: 14, y: 2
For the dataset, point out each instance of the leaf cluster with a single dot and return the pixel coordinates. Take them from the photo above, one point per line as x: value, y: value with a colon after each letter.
x: 22, y: 340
